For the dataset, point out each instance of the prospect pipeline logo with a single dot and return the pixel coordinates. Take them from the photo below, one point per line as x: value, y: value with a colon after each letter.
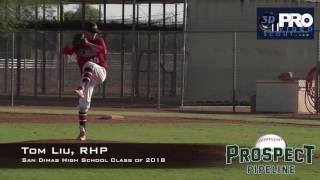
x: 270, y: 156
x: 285, y: 23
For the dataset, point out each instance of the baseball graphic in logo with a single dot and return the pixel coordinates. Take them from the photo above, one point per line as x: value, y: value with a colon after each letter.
x: 270, y: 141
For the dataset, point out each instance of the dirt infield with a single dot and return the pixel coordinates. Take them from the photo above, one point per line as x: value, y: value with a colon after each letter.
x: 46, y: 118
x: 39, y: 118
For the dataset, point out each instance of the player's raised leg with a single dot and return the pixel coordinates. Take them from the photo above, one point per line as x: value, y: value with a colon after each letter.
x: 85, y: 80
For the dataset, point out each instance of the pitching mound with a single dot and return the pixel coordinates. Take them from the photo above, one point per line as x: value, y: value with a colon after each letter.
x: 110, y: 117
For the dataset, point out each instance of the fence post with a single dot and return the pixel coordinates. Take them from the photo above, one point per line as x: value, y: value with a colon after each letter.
x: 44, y: 59
x: 134, y: 50
x: 61, y: 63
x: 234, y: 83
x: 19, y: 56
x: 122, y: 64
x: 317, y: 78
x: 12, y: 72
x: 184, y: 50
x: 163, y: 66
x: 36, y: 64
x: 159, y: 70
x: 5, y: 80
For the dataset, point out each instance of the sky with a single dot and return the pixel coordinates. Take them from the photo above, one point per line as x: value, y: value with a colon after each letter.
x: 114, y: 11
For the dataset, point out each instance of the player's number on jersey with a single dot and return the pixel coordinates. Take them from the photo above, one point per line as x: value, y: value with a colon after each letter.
x: 95, y: 60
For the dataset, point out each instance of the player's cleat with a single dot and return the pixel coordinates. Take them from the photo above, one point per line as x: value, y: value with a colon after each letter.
x: 82, y: 136
x: 79, y: 92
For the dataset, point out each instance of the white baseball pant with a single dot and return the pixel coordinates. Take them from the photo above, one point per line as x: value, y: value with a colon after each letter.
x: 99, y: 74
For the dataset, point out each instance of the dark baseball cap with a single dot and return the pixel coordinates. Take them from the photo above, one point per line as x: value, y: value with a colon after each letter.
x: 91, y: 27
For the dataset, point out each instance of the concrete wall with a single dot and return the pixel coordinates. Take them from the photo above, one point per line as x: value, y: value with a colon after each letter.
x: 211, y: 24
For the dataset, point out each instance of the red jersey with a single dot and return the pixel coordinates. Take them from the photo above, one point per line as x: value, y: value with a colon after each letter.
x: 85, y: 53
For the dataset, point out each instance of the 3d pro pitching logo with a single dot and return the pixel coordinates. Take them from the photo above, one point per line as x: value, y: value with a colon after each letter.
x: 285, y: 23
x: 270, y: 155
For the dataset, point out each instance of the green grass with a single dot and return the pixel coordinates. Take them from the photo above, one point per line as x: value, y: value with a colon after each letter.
x: 160, y: 133
x: 214, y: 173
x: 242, y: 134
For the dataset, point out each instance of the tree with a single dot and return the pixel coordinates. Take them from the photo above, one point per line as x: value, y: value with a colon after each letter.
x: 13, y: 14
x: 91, y: 13
x: 16, y: 14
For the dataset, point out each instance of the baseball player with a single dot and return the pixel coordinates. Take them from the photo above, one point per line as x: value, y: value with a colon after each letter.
x: 91, y: 51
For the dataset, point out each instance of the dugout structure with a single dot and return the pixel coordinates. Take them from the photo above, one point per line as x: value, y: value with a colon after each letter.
x: 223, y: 51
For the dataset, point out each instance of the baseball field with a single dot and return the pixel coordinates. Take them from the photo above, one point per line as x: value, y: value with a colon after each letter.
x: 151, y: 126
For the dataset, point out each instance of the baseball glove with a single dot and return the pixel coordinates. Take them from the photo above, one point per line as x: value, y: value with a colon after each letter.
x: 78, y: 40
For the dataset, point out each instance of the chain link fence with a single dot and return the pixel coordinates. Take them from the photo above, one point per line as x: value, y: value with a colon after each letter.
x: 221, y: 67
x: 39, y: 69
